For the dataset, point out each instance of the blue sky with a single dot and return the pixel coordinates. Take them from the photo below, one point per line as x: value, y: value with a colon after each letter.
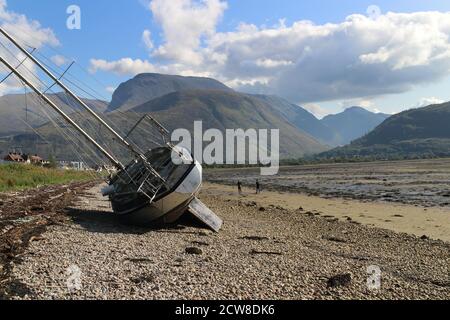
x: 113, y: 30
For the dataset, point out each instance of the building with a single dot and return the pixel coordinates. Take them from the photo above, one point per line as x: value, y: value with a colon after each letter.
x: 73, y: 165
x: 24, y: 158
x: 35, y: 159
x: 14, y: 157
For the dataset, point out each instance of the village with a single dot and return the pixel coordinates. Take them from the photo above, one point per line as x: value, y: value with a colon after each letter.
x: 17, y: 156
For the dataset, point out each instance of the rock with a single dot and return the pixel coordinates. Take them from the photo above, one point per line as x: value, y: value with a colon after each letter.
x: 200, y: 243
x: 139, y: 260
x: 340, y: 280
x: 193, y: 250
x: 35, y: 238
x: 262, y: 209
x: 143, y: 279
x: 301, y: 209
x: 255, y: 238
x: 334, y: 239
x: 424, y: 237
x: 266, y: 252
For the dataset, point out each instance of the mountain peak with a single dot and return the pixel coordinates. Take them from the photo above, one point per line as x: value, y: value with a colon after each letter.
x: 356, y: 108
x: 148, y: 86
x: 354, y: 122
x: 410, y: 134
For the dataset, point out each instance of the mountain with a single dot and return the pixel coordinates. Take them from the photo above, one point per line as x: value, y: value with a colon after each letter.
x: 413, y: 133
x: 333, y: 130
x: 148, y: 86
x: 178, y: 101
x: 229, y: 110
x: 13, y: 110
x: 303, y: 120
x: 219, y: 109
x: 353, y: 123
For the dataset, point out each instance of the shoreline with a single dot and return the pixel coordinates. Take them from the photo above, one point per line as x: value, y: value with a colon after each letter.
x: 433, y: 222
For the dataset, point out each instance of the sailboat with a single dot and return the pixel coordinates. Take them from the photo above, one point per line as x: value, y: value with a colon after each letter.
x: 158, y: 186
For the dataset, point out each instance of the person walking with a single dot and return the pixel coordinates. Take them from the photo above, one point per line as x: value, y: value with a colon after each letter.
x: 239, y: 185
x: 258, y: 187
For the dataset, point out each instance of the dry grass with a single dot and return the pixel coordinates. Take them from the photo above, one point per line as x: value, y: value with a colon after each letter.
x: 21, y: 176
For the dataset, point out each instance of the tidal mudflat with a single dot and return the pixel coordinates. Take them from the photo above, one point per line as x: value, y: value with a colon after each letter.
x: 423, y: 183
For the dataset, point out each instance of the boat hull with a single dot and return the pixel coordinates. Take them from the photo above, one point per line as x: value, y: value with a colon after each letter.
x: 169, y: 208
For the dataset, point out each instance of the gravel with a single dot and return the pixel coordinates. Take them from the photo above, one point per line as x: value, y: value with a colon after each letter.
x: 271, y: 254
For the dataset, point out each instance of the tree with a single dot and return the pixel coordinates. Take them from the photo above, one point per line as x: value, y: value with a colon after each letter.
x: 52, y: 164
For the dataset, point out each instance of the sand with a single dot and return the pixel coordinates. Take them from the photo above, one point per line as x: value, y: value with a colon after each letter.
x: 433, y: 222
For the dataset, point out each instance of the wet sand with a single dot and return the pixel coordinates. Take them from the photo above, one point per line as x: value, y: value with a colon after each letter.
x: 424, y: 183
x: 433, y: 222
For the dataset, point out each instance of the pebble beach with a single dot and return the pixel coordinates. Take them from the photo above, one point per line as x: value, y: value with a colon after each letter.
x: 263, y: 252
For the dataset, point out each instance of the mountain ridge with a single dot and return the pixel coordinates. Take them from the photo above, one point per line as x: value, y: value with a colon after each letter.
x: 15, y: 108
x: 418, y: 132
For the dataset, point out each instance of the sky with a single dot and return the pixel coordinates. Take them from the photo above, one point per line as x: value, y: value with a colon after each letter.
x: 325, y: 55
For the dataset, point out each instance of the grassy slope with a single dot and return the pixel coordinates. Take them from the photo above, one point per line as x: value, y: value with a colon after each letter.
x: 19, y: 176
x: 415, y: 133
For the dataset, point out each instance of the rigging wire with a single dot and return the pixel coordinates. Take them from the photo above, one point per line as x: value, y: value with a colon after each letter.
x: 37, y: 78
x: 149, y: 135
x: 96, y: 95
x: 43, y: 138
x: 10, y: 73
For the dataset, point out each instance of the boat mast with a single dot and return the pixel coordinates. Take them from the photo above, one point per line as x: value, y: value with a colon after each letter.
x: 74, y: 96
x: 59, y: 111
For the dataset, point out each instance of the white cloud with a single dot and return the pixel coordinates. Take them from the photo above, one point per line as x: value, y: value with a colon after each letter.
x: 110, y: 89
x: 58, y: 60
x: 185, y: 23
x: 424, y: 102
x: 125, y: 66
x: 27, y: 32
x: 304, y: 62
x: 367, y: 104
x: 147, y: 39
x: 316, y: 110
x: 132, y: 67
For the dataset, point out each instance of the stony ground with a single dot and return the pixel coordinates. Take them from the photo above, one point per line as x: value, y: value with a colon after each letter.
x: 24, y: 216
x: 261, y: 253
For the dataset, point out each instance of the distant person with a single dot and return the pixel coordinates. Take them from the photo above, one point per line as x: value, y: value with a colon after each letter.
x: 258, y: 187
x: 239, y: 185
